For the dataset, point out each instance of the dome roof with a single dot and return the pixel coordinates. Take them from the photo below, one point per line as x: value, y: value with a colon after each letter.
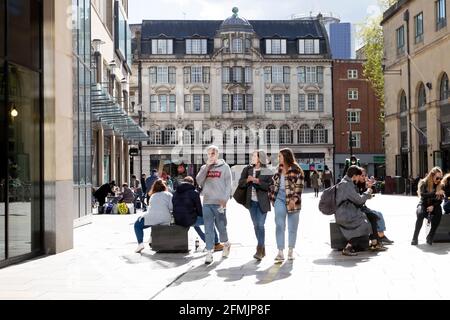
x: 235, y: 23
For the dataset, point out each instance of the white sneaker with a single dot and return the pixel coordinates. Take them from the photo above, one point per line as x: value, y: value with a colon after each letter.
x: 280, y: 257
x: 226, y: 250
x: 140, y: 248
x: 291, y: 254
x: 209, y: 258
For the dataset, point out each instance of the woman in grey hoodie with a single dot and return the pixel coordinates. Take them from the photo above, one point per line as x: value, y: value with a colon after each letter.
x: 159, y: 212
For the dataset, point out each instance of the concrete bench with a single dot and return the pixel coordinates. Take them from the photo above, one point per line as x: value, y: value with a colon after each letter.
x: 170, y: 239
x: 338, y: 241
x: 443, y: 231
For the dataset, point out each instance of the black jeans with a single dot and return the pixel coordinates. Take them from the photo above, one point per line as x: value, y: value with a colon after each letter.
x: 422, y: 213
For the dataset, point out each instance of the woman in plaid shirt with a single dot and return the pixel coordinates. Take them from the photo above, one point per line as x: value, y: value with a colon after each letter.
x: 286, y: 196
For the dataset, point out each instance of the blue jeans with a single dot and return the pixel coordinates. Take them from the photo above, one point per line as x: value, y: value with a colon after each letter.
x: 139, y: 227
x: 259, y: 220
x: 447, y: 207
x: 201, y: 222
x: 381, y: 224
x: 212, y: 216
x: 280, y: 222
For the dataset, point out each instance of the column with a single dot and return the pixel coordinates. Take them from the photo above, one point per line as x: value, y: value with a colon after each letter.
x: 113, y: 160
x: 101, y: 157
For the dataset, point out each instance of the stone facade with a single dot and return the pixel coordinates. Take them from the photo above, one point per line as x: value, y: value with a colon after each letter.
x: 417, y: 104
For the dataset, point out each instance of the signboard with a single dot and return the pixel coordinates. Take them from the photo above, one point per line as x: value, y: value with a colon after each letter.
x: 134, y: 152
x: 379, y: 159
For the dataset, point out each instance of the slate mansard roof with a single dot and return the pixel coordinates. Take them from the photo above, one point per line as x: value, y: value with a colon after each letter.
x: 182, y: 29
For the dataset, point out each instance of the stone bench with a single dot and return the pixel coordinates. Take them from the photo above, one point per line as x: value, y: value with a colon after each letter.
x: 170, y: 239
x: 338, y: 241
x: 443, y: 231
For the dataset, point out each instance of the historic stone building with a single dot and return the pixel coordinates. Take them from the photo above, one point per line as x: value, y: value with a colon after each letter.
x: 235, y: 83
x: 417, y: 69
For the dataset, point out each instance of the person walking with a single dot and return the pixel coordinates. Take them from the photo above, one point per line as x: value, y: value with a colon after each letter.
x: 149, y: 183
x: 315, y: 183
x: 215, y: 180
x: 327, y: 177
x: 286, y: 196
x: 431, y: 194
x: 256, y: 179
x: 159, y: 212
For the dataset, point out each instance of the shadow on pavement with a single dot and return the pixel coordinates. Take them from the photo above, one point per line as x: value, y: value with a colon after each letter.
x: 198, y: 273
x: 275, y: 273
x: 163, y: 259
x: 436, y: 248
x: 335, y: 258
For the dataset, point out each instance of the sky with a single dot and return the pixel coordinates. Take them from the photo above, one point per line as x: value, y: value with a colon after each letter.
x: 355, y: 11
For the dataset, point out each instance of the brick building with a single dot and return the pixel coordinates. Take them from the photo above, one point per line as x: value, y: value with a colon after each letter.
x: 356, y: 107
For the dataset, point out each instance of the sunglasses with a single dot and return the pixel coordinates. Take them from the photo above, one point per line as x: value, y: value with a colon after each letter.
x: 438, y: 178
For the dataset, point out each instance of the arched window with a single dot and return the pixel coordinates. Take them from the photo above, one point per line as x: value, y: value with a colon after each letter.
x: 154, y: 136
x: 170, y: 135
x: 422, y: 96
x: 188, y: 135
x: 444, y: 88
x: 403, y: 102
x: 271, y: 134
x: 319, y: 134
x: 285, y: 135
x: 304, y: 134
x: 207, y: 135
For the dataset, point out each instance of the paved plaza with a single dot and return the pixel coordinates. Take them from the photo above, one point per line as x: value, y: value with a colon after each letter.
x: 103, y: 264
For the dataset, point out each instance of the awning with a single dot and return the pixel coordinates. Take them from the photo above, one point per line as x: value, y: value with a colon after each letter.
x: 106, y: 110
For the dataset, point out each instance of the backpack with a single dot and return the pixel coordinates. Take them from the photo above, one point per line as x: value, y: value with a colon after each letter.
x: 327, y: 203
x: 122, y: 208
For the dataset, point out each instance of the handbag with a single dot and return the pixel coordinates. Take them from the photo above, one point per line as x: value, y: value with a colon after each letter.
x: 240, y: 195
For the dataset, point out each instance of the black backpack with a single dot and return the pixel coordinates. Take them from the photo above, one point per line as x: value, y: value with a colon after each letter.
x: 327, y: 203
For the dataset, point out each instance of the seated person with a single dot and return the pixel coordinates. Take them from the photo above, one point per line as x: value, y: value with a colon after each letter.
x: 378, y: 238
x: 187, y: 209
x: 127, y: 194
x: 349, y: 216
x: 158, y: 213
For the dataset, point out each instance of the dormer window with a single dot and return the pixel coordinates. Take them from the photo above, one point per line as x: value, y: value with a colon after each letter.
x: 237, y: 46
x: 309, y: 46
x: 196, y: 46
x: 276, y: 46
x: 162, y: 46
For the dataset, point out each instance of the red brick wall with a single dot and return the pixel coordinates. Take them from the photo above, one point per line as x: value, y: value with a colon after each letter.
x: 370, y: 126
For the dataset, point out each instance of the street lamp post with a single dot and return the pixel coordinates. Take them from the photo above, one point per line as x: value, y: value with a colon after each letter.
x: 140, y: 112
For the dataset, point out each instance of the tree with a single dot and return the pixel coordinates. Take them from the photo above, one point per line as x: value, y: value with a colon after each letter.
x: 371, y: 35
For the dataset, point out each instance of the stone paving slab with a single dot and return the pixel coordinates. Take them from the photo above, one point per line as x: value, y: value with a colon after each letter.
x: 103, y: 264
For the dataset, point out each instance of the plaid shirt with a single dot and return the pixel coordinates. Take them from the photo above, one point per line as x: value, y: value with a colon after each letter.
x: 294, y: 188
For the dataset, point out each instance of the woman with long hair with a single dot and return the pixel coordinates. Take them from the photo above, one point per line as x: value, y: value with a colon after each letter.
x: 159, y: 211
x: 429, y: 207
x: 256, y: 179
x: 446, y: 188
x: 286, y: 196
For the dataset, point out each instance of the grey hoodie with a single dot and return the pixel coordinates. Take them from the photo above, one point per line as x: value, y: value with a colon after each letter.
x: 215, y: 182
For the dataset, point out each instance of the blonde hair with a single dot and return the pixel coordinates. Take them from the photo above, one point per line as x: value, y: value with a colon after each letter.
x: 428, y: 180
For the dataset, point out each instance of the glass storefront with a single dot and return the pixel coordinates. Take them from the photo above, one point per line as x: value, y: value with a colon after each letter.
x: 82, y: 172
x: 20, y: 130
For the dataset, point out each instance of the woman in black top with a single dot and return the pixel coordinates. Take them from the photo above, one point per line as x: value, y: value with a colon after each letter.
x: 431, y: 196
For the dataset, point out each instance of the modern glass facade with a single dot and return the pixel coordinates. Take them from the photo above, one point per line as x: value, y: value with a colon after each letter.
x: 21, y: 170
x: 82, y: 139
x: 342, y: 40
